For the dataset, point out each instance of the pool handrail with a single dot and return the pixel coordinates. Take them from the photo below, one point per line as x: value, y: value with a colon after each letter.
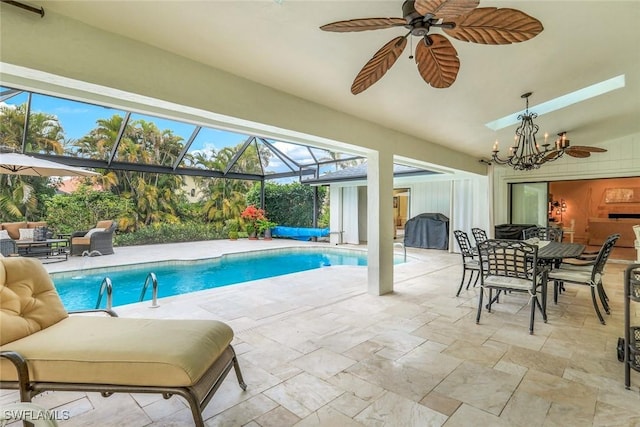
x: 107, y: 286
x: 154, y: 289
x: 404, y: 249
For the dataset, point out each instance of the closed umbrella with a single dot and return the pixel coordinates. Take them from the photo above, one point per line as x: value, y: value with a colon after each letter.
x: 21, y: 164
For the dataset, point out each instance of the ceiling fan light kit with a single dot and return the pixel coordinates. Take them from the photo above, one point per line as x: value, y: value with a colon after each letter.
x: 436, y: 57
x: 526, y: 154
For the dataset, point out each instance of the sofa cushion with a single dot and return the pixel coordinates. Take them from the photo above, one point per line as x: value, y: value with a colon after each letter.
x: 81, y: 241
x: 26, y: 233
x: 14, y: 228
x: 28, y: 299
x: 36, y: 224
x: 104, y: 224
x: 123, y: 351
x: 92, y: 231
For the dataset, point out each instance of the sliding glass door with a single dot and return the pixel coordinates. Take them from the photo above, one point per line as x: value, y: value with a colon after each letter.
x: 530, y: 203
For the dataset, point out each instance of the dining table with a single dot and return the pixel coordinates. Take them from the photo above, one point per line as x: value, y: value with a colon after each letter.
x: 554, y: 251
x: 551, y: 254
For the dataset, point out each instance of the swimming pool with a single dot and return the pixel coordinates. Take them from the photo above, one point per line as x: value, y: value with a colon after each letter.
x: 79, y: 290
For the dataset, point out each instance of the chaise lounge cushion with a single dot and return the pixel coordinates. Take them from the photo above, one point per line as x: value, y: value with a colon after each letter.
x: 28, y: 299
x: 123, y: 351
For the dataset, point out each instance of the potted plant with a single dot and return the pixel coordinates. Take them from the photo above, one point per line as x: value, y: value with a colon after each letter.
x: 232, y: 228
x: 265, y: 226
x: 251, y: 215
x: 251, y: 231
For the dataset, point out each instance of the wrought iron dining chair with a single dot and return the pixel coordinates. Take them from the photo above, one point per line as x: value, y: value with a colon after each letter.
x: 469, y: 260
x: 589, y: 274
x: 552, y: 234
x: 479, y: 235
x: 512, y: 265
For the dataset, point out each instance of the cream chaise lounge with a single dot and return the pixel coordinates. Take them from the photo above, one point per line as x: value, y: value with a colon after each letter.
x: 43, y: 348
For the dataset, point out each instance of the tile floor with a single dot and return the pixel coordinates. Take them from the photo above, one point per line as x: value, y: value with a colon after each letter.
x: 316, y: 349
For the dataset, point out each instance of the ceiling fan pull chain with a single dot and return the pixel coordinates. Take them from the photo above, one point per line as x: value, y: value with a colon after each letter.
x: 410, y: 47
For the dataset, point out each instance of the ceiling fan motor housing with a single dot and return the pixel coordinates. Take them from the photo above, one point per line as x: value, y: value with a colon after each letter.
x: 409, y: 12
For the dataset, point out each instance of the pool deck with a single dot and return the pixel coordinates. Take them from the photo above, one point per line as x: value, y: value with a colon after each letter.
x: 317, y: 349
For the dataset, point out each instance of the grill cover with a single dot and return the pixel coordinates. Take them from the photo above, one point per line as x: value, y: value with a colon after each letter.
x: 427, y: 231
x: 511, y: 231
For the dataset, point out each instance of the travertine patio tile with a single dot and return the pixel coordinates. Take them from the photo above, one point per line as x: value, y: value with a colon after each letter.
x: 323, y: 363
x: 303, y: 394
x: 484, y: 388
x: 316, y: 349
x: 394, y: 410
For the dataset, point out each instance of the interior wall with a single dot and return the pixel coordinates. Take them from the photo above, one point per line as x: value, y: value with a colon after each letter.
x: 362, y: 213
x: 590, y: 202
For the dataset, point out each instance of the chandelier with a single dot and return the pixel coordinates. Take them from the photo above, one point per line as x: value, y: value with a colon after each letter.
x: 526, y: 154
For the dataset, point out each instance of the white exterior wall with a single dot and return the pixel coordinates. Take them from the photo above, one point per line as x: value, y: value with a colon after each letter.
x: 430, y: 197
x: 466, y: 202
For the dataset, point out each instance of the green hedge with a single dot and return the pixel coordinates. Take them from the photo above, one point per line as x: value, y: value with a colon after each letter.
x: 288, y: 204
x: 165, y: 233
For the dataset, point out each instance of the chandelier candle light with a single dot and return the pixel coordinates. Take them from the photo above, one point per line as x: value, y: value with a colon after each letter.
x: 526, y: 153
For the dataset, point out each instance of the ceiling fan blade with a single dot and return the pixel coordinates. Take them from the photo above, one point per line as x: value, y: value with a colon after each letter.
x: 364, y: 24
x: 445, y: 9
x: 577, y: 153
x: 378, y: 65
x: 588, y: 149
x: 438, y: 64
x: 490, y: 25
x: 552, y: 155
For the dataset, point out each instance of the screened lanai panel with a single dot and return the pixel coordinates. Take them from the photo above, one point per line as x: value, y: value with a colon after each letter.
x: 153, y: 140
x: 80, y: 130
x: 56, y: 125
x: 276, y: 157
x: 213, y: 149
x: 12, y: 115
x: 251, y: 157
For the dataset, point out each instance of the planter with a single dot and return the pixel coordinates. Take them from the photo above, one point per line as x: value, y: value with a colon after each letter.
x: 253, y: 236
x: 267, y: 234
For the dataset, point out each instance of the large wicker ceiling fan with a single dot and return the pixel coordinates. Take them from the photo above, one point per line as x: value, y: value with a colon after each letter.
x: 437, y: 59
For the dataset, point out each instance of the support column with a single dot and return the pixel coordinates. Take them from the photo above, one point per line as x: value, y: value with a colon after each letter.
x: 380, y: 223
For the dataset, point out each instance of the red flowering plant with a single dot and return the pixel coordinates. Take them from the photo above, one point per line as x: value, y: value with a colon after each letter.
x: 252, y: 215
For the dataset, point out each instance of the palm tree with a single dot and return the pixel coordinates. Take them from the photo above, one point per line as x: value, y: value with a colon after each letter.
x: 19, y: 195
x: 154, y: 196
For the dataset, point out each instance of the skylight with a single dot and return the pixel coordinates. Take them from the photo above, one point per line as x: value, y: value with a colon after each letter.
x: 562, y: 101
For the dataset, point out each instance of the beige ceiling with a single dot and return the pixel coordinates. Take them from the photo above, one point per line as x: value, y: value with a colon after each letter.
x: 280, y: 45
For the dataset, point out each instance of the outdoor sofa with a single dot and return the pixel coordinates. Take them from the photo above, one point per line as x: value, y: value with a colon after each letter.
x: 97, y: 241
x: 43, y: 347
x: 10, y: 232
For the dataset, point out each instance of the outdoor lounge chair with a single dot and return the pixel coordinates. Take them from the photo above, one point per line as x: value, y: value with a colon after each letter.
x: 97, y: 241
x: 43, y: 348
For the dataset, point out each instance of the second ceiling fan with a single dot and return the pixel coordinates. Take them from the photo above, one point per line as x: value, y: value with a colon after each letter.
x: 435, y: 56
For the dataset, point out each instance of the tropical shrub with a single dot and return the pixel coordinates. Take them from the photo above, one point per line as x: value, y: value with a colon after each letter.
x: 83, y: 208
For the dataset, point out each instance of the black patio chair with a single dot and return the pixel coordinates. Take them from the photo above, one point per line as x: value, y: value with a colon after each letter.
x: 469, y: 260
x: 512, y: 265
x: 479, y: 235
x: 588, y: 274
x: 551, y: 234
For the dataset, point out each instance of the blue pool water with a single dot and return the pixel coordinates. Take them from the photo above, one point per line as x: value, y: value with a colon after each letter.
x: 80, y: 291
